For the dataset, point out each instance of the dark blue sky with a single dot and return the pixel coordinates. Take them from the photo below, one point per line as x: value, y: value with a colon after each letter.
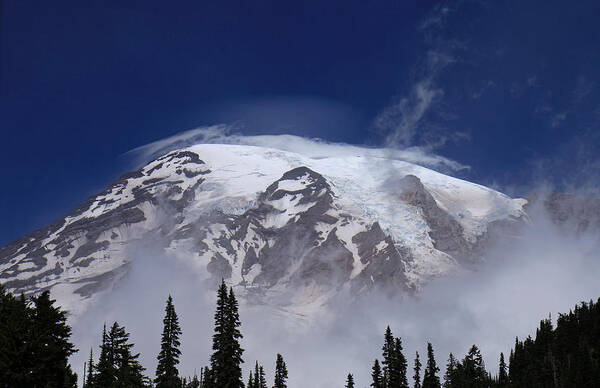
x: 508, y: 88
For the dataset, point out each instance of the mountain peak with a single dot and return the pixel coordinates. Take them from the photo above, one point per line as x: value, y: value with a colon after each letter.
x: 265, y: 220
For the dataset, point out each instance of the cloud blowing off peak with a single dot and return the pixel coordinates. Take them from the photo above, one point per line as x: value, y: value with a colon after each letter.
x: 310, y: 147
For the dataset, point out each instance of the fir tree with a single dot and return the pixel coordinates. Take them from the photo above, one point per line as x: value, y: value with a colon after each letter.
x: 430, y: 378
x: 167, y: 375
x: 281, y: 373
x: 129, y: 370
x: 105, y: 371
x: 90, y: 374
x: 349, y: 381
x: 192, y: 383
x: 34, y: 343
x: 417, y: 369
x: 195, y: 383
x: 15, y: 341
x: 227, y: 356
x: 117, y: 366
x: 449, y: 376
x: 376, y: 375
x: 51, y: 347
x: 389, y: 360
x: 472, y: 370
x: 234, y: 335
x: 218, y: 358
x: 400, y: 365
x: 258, y: 380
x: 502, y: 372
x: 256, y: 375
x: 207, y: 379
x: 250, y: 381
x: 262, y: 381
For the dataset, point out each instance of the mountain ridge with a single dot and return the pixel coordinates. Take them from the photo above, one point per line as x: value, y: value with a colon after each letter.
x: 266, y: 219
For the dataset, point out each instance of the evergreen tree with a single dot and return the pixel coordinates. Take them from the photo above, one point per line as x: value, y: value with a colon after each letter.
x: 400, y: 365
x: 218, y: 359
x: 472, y: 372
x: 207, y: 379
x: 450, y: 380
x: 34, y: 343
x: 117, y: 366
x: 262, y: 381
x: 167, y: 375
x: 234, y: 335
x: 129, y: 370
x: 502, y: 372
x: 90, y: 374
x: 192, y: 383
x: 376, y: 375
x: 250, y: 381
x: 256, y: 375
x: 52, y: 347
x: 258, y: 380
x: 105, y: 371
x: 417, y: 369
x: 430, y: 378
x: 195, y: 383
x: 349, y: 381
x: 281, y: 373
x: 227, y: 356
x: 16, y: 364
x: 389, y: 360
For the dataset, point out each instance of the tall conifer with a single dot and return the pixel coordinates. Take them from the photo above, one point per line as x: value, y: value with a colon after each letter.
x: 167, y: 375
x: 389, y: 360
x: 400, y: 365
x: 50, y: 344
x: 281, y: 373
x: 118, y: 366
x: 502, y: 372
x: 417, y: 369
x: 227, y: 356
x: 430, y: 377
x: 472, y: 369
x: 376, y: 375
x: 262, y: 381
x: 90, y: 374
x: 250, y: 381
x: 450, y: 375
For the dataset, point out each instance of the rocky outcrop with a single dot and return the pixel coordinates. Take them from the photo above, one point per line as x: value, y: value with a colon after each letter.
x: 446, y: 233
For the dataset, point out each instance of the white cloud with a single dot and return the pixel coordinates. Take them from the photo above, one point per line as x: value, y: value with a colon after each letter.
x: 313, y: 148
x: 402, y: 120
x: 411, y: 121
x: 544, y: 271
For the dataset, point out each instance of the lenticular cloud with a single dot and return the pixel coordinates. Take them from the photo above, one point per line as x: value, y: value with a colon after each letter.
x: 313, y: 148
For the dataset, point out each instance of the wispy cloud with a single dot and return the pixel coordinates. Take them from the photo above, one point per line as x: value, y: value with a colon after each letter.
x: 309, y: 147
x: 417, y: 117
x: 403, y: 119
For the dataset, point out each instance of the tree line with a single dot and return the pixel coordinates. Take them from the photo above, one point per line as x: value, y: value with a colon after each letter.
x: 35, y: 346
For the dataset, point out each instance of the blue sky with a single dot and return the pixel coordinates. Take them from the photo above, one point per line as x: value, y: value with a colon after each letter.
x: 509, y: 88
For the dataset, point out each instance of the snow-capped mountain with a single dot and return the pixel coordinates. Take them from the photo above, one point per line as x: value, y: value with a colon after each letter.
x: 269, y: 222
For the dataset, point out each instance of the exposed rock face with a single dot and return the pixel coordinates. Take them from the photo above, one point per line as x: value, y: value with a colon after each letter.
x: 445, y: 231
x: 265, y: 220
